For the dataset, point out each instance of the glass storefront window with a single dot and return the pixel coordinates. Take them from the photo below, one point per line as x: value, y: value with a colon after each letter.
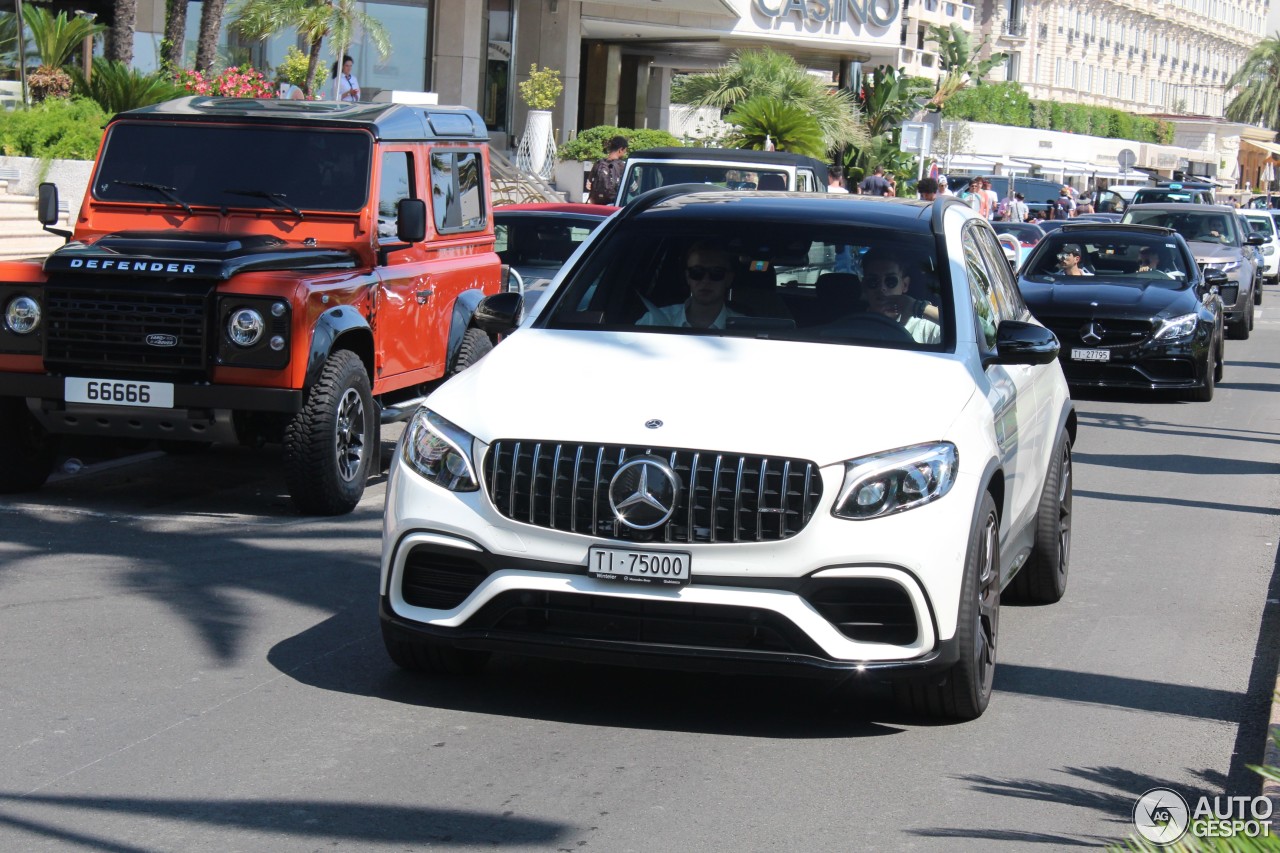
x: 497, y: 76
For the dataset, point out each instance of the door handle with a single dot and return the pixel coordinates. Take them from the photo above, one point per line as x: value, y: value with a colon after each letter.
x: 423, y: 296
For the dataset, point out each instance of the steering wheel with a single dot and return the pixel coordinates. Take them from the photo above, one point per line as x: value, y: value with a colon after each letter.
x: 869, y: 325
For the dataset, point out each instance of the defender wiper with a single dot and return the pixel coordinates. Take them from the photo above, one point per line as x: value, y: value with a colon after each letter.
x: 278, y: 198
x: 167, y: 192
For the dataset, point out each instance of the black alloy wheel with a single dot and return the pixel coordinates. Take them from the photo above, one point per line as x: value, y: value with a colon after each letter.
x: 963, y: 692
x: 331, y: 444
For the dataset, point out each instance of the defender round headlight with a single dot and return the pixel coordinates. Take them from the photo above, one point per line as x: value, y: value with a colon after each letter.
x: 22, y: 315
x: 245, y: 327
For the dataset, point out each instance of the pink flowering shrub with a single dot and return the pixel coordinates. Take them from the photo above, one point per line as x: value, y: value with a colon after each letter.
x: 234, y: 82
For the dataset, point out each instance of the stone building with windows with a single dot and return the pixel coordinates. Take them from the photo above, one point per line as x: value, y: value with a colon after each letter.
x: 1144, y: 56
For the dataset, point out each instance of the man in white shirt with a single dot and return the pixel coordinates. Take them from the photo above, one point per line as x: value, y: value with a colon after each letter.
x: 708, y: 271
x: 834, y: 175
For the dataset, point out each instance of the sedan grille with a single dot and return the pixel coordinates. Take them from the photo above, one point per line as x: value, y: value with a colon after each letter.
x: 1100, y: 331
x: 722, y: 497
x: 106, y: 325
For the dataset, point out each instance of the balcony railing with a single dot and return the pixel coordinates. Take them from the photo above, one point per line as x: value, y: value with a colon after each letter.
x: 1016, y: 29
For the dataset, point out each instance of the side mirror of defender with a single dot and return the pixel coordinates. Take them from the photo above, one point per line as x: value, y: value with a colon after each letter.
x: 411, y: 220
x: 47, y: 210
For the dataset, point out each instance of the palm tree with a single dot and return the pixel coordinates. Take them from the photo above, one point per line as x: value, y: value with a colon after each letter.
x: 117, y: 87
x: 790, y: 127
x: 314, y: 20
x: 55, y: 38
x: 119, y: 45
x: 210, y: 26
x: 175, y: 34
x: 959, y: 59
x: 769, y: 74
x: 1258, y: 101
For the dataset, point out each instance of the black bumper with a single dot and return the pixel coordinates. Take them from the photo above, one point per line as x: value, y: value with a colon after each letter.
x: 244, y: 398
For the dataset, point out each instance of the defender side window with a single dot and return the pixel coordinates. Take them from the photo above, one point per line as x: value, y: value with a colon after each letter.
x: 457, y: 202
x: 395, y: 184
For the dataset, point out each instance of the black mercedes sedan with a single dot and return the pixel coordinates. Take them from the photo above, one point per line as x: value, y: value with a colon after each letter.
x: 1130, y: 307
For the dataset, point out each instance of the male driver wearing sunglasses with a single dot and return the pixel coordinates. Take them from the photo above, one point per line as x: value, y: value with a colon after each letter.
x: 708, y: 270
x: 884, y: 288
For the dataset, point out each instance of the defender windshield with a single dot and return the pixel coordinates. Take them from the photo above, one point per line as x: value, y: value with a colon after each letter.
x: 648, y: 176
x: 1139, y: 261
x: 795, y: 281
x: 200, y: 164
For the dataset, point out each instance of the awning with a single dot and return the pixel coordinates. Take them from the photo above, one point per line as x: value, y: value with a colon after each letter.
x: 1111, y: 173
x: 1269, y: 147
x: 1059, y: 167
x: 985, y: 165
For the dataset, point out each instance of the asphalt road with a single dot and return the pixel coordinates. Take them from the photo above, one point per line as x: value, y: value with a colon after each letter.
x: 186, y: 665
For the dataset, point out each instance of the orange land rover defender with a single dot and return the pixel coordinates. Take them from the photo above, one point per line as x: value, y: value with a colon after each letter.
x: 254, y: 270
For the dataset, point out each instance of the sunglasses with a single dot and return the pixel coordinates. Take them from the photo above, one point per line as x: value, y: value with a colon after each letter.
x: 713, y: 273
x: 888, y: 282
x: 1068, y: 254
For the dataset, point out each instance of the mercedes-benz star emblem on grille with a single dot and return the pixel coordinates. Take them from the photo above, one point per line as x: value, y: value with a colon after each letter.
x: 643, y: 493
x: 162, y: 340
x: 1092, y: 333
x: 653, y: 423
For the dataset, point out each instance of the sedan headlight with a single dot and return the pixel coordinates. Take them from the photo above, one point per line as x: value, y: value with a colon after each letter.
x: 245, y: 327
x: 22, y: 315
x: 440, y: 452
x: 896, y: 481
x: 1176, y: 327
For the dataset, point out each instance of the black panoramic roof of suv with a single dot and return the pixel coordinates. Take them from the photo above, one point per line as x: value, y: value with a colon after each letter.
x: 390, y: 122
x: 693, y: 201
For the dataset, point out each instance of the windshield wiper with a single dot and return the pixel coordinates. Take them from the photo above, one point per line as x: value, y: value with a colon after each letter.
x: 167, y: 192
x: 279, y: 198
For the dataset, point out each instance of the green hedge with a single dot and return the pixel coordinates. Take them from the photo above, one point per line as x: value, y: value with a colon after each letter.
x: 1008, y: 104
x: 58, y: 129
x: 589, y: 145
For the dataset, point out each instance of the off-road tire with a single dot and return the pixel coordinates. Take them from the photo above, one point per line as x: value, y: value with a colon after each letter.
x: 475, y: 346
x: 29, y: 451
x: 431, y: 656
x: 963, y: 691
x: 331, y: 444
x: 1204, y: 393
x: 1043, y: 577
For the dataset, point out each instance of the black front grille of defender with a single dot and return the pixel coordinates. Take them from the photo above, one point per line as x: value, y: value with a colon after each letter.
x: 868, y: 610
x: 105, y: 325
x: 723, y: 497
x: 439, y: 581
x: 671, y: 623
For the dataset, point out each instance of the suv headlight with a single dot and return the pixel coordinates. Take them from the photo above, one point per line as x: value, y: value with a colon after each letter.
x: 896, y: 481
x: 1225, y: 266
x: 440, y: 452
x: 245, y: 327
x: 1176, y: 327
x: 22, y: 315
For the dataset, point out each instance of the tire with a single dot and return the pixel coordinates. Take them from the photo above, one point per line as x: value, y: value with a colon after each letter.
x: 1219, y: 365
x: 475, y: 346
x: 330, y: 446
x: 1043, y: 578
x: 1257, y: 293
x: 963, y: 691
x: 1240, y: 329
x: 432, y: 656
x: 29, y: 451
x: 1204, y: 393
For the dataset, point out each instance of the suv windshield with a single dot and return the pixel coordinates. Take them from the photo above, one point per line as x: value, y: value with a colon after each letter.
x: 1158, y: 195
x: 783, y: 280
x: 648, y: 176
x: 1140, y: 260
x: 221, y: 166
x: 1195, y: 226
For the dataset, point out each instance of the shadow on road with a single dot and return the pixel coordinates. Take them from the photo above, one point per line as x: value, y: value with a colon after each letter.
x: 326, y: 823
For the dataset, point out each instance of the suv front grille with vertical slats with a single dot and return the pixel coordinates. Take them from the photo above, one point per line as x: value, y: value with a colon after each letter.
x: 722, y: 497
x: 113, y: 324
